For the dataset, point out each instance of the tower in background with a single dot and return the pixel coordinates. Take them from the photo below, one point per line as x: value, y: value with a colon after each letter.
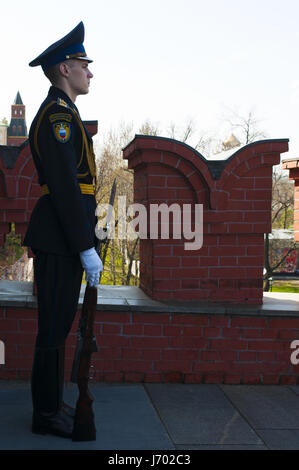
x: 17, y: 129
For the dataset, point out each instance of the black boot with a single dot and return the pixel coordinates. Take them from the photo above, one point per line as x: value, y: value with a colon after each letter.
x: 68, y: 410
x: 47, y: 389
x: 64, y: 407
x: 58, y: 424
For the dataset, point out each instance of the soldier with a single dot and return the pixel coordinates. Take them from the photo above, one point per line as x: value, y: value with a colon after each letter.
x: 61, y: 232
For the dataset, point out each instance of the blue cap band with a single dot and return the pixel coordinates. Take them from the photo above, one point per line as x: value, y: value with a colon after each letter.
x: 62, y: 55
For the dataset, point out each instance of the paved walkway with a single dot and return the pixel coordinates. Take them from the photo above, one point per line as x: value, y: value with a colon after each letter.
x: 165, y: 417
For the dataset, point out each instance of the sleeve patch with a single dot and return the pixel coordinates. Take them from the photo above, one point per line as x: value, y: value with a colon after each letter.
x: 62, y: 131
x: 60, y: 117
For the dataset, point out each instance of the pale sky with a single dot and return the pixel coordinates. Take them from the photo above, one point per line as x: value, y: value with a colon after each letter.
x: 164, y: 60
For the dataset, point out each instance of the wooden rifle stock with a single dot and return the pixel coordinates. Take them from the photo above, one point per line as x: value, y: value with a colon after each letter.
x: 84, y: 427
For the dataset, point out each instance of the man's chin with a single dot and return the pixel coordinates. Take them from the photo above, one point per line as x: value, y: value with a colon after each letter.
x: 84, y: 92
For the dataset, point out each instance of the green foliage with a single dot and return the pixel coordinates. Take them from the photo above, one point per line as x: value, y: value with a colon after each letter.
x: 12, y: 250
x: 284, y: 286
x: 115, y: 273
x: 285, y: 220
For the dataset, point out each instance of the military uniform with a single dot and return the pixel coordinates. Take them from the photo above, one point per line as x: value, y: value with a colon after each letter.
x: 63, y: 221
x: 62, y: 225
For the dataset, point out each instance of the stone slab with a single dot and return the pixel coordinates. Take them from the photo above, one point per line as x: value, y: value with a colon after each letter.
x: 124, y: 418
x: 132, y: 298
x: 280, y: 439
x: 265, y: 406
x: 200, y: 415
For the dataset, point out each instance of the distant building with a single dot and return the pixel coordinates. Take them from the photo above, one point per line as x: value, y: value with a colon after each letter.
x: 281, y: 234
x: 17, y: 129
x: 228, y: 147
x: 3, y: 133
x: 230, y: 143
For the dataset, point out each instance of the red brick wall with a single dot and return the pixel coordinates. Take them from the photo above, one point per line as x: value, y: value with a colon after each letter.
x: 167, y: 347
x: 15, y: 140
x: 19, y: 193
x: 236, y: 215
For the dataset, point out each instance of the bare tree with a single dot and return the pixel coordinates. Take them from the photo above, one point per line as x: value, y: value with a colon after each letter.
x: 111, y: 165
x: 148, y: 128
x: 247, y: 126
x: 282, y: 200
x: 203, y: 141
x: 282, y: 218
x: 182, y: 133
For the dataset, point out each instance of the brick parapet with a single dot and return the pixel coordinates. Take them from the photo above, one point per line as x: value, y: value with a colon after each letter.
x: 135, y: 346
x: 236, y: 198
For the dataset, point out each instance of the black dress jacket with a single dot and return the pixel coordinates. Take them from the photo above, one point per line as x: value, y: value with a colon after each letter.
x: 63, y: 220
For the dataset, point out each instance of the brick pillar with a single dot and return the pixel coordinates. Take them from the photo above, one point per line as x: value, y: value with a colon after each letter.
x: 293, y: 166
x: 236, y: 197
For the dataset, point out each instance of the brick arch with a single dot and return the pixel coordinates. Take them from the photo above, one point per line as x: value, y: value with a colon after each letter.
x: 27, y: 176
x: 261, y: 153
x: 190, y: 164
x: 181, y: 175
x: 141, y: 143
x: 247, y: 176
x: 24, y: 157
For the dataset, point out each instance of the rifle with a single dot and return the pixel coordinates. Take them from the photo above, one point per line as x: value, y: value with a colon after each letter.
x: 84, y: 427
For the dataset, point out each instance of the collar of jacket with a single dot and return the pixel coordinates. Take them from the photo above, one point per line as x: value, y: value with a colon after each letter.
x: 55, y: 93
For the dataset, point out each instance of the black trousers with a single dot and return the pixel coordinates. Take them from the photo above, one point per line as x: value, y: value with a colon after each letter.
x: 58, y: 281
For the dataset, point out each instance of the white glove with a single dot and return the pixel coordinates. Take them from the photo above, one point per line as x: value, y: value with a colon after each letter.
x: 93, y: 265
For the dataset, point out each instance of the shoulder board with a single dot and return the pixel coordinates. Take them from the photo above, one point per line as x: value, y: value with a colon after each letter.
x: 63, y: 103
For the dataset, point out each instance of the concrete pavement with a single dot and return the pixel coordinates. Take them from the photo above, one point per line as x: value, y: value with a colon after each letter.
x: 164, y: 417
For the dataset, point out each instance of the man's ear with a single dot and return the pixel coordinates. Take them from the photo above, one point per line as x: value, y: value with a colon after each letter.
x: 64, y: 69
